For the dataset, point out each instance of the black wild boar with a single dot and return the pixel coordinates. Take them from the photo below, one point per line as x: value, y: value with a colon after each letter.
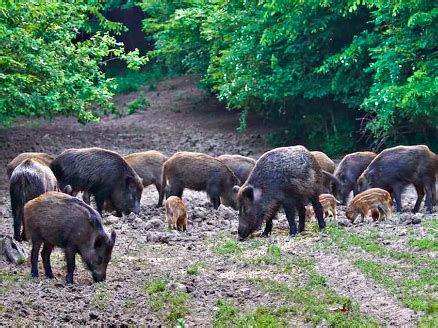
x: 101, y: 173
x: 28, y: 180
x: 57, y: 219
x: 41, y: 157
x: 240, y: 165
x: 148, y: 165
x: 347, y: 172
x: 288, y: 177
x: 327, y: 165
x: 199, y: 171
x: 395, y: 168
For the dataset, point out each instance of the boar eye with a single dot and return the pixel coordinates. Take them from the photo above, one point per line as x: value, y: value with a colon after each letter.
x: 98, y: 243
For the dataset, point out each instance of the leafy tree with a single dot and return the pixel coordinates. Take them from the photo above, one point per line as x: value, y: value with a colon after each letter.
x: 312, y: 65
x: 45, y: 69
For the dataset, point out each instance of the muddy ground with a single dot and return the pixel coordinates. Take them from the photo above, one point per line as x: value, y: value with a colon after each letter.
x: 205, y: 263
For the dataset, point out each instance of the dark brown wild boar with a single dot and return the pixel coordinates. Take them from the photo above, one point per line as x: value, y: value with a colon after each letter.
x: 288, y: 177
x: 176, y: 213
x: 40, y: 157
x: 240, y: 165
x: 148, y: 165
x: 101, y: 173
x: 199, y: 171
x: 395, y: 168
x: 57, y: 219
x: 29, y: 179
x: 347, y: 172
x: 327, y: 165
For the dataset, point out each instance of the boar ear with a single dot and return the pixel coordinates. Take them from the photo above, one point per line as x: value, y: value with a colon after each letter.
x: 236, y: 189
x: 113, y: 237
x: 248, y: 192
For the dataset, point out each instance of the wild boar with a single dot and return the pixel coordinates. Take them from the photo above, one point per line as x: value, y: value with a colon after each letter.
x: 29, y: 179
x: 286, y: 176
x: 371, y: 198
x: 57, y: 219
x: 327, y: 165
x: 148, y: 166
x: 375, y: 214
x: 240, y: 165
x: 43, y: 158
x: 101, y: 173
x: 199, y: 171
x: 347, y: 172
x: 328, y: 203
x: 176, y: 213
x: 395, y: 168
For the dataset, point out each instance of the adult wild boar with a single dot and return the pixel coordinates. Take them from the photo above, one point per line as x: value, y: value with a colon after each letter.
x: 395, y: 168
x: 288, y: 177
x: 199, y: 171
x: 327, y: 165
x: 241, y: 166
x: 57, y: 219
x: 347, y: 172
x: 29, y: 179
x: 148, y: 165
x: 101, y: 173
x: 41, y: 157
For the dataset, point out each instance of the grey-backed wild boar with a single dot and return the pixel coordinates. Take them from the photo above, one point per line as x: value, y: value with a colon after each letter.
x: 101, y: 173
x: 176, y: 213
x: 240, y: 165
x: 395, y: 168
x: 200, y: 172
x: 43, y: 158
x: 148, y: 165
x: 327, y: 165
x: 29, y: 179
x: 347, y: 173
x: 55, y: 219
x: 288, y: 177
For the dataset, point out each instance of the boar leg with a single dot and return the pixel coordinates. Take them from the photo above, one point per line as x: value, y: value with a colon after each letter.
x: 71, y: 264
x: 317, y: 208
x: 302, y: 218
x: 160, y: 195
x: 216, y: 202
x: 45, y: 254
x: 430, y: 186
x: 100, y: 201
x: 289, y: 210
x: 355, y: 189
x: 17, y: 214
x: 268, y: 228
x: 397, y: 190
x: 420, y: 195
x: 36, y: 245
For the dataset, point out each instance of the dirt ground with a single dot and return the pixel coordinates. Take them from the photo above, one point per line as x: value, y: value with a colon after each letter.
x: 205, y: 263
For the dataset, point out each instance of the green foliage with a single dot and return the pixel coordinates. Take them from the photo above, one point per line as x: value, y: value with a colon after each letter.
x: 228, y: 247
x: 310, y: 66
x: 426, y: 244
x: 46, y: 69
x: 195, y: 268
x: 140, y: 103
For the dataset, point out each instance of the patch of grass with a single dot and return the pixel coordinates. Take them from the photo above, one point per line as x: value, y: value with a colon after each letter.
x: 424, y: 244
x: 228, y: 315
x: 170, y: 306
x: 101, y: 295
x: 227, y: 247
x: 142, y: 102
x: 316, y: 302
x: 195, y: 268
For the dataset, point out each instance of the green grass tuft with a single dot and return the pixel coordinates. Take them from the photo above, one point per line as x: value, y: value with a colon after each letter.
x: 227, y: 247
x: 140, y: 103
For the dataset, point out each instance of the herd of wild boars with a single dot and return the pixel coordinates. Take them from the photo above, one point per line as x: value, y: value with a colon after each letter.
x: 301, y: 182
